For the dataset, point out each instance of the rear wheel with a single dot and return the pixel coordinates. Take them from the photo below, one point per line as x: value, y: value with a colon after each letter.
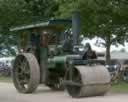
x: 26, y: 73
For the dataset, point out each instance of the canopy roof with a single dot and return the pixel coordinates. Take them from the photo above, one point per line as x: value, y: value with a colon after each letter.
x: 58, y: 24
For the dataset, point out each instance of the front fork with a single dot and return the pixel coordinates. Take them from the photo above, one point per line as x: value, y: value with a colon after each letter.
x: 71, y: 70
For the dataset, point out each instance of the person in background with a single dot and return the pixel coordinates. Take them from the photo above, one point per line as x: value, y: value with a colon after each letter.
x: 89, y: 53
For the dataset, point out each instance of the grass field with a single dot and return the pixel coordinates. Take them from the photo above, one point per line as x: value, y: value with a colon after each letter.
x: 120, y: 87
x: 5, y: 79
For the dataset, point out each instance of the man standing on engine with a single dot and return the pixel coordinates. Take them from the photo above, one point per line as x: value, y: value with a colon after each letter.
x: 89, y: 54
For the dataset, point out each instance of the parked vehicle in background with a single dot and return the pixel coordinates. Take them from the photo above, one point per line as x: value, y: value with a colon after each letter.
x: 6, y: 66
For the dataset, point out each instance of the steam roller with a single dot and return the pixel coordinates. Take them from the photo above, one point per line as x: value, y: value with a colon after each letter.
x: 53, y: 57
x: 88, y: 81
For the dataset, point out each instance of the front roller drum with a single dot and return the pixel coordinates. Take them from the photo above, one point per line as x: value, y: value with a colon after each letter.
x: 26, y: 73
x: 88, y: 81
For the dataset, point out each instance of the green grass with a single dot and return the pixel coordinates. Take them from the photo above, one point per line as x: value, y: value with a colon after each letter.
x: 5, y: 79
x: 120, y: 87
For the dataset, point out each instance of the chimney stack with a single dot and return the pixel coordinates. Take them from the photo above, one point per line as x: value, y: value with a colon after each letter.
x: 75, y: 27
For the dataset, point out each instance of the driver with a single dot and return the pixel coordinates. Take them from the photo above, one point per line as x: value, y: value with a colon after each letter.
x: 89, y: 54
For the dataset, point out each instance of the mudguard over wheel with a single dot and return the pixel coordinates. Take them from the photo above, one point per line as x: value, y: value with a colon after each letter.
x: 26, y: 73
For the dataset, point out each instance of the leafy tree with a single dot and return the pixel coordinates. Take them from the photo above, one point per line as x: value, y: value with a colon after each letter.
x: 99, y: 17
x: 41, y: 9
x: 19, y: 12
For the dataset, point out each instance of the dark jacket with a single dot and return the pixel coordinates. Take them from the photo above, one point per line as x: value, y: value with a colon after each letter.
x: 89, y: 55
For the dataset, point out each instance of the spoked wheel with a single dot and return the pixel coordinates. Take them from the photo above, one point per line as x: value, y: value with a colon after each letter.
x: 26, y: 73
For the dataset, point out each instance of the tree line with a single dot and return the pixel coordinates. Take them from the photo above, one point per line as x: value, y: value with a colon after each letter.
x: 103, y: 18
